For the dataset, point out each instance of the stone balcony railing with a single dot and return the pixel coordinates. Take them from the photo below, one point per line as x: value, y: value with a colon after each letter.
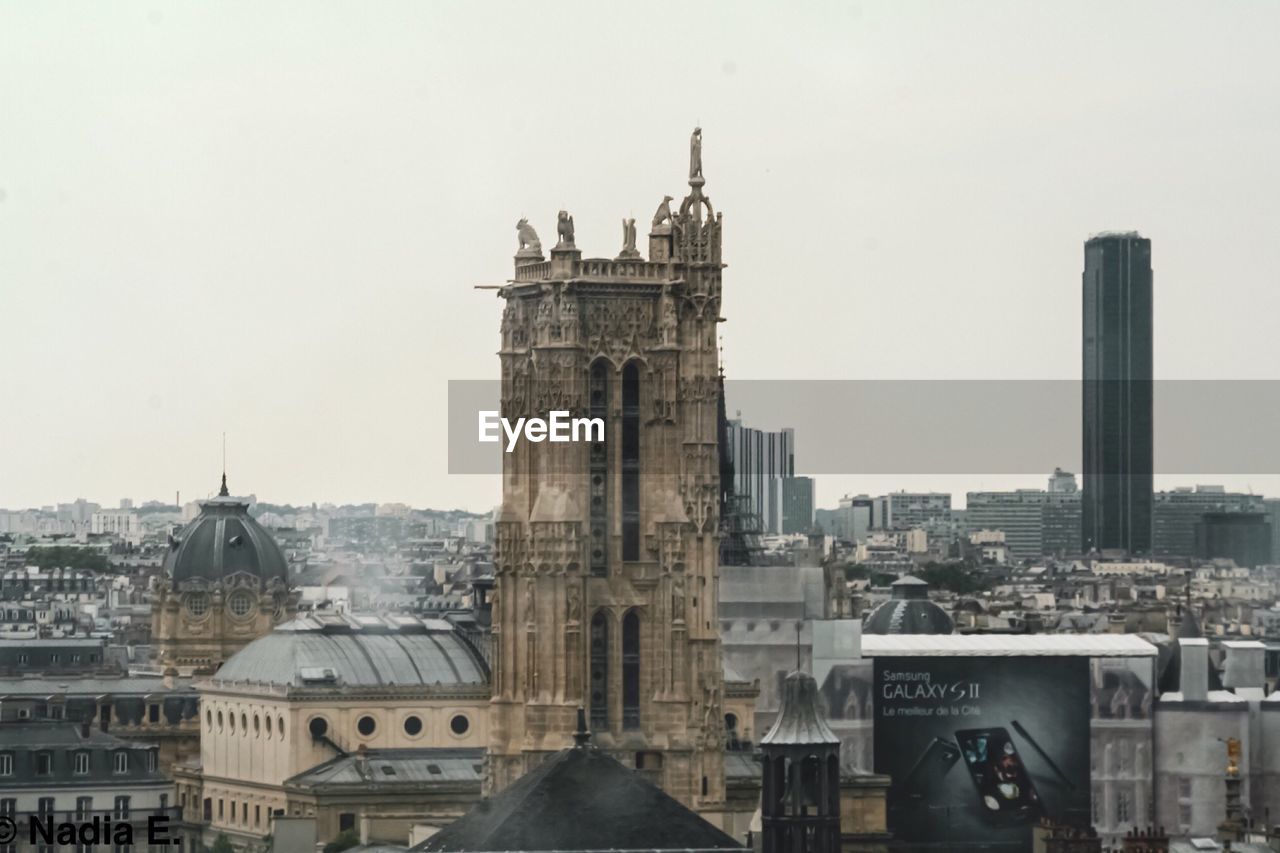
x: 598, y: 268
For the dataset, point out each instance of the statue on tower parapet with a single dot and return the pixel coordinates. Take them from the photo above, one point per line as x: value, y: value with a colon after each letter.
x: 629, y: 250
x: 530, y: 245
x: 564, y: 228
x: 662, y: 217
x: 695, y: 157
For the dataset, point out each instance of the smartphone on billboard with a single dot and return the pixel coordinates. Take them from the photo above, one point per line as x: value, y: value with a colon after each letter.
x: 929, y: 769
x: 1004, y: 786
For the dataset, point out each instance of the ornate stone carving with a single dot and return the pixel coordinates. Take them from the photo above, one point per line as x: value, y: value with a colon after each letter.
x: 629, y: 250
x: 663, y: 215
x: 530, y: 245
x: 669, y: 324
x: 568, y: 319
x: 695, y: 155
x: 564, y: 229
x: 712, y: 722
x: 573, y: 613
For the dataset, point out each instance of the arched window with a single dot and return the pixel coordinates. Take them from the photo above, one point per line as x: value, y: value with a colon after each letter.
x: 598, y: 470
x: 599, y: 672
x: 631, y: 671
x: 631, y: 462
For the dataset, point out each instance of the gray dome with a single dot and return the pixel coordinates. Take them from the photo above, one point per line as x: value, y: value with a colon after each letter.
x: 345, y: 651
x: 224, y: 540
x: 909, y: 611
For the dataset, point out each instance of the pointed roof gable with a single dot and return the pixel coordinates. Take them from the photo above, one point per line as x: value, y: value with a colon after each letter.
x: 578, y: 799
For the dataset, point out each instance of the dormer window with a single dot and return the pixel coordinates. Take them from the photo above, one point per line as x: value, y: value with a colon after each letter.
x: 121, y: 762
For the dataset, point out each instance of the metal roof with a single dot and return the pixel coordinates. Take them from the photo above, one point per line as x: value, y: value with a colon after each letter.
x: 427, y: 652
x: 224, y: 540
x: 1006, y: 645
x: 800, y: 722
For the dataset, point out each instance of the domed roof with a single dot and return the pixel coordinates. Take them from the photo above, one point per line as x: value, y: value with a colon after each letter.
x: 366, y: 651
x: 224, y: 540
x: 909, y: 611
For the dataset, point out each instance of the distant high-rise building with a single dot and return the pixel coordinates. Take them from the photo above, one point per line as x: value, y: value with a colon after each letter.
x: 1062, y: 482
x: 1177, y: 513
x: 763, y: 462
x: 1117, y: 399
x: 1244, y: 537
x: 1035, y: 523
x: 1019, y: 515
x: 797, y: 505
x: 1061, y: 524
x: 905, y: 510
x: 1272, y: 508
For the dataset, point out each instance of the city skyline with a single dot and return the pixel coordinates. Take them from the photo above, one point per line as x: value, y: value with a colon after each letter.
x: 206, y: 246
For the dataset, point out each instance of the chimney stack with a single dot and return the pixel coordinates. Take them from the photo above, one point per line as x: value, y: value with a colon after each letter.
x: 1193, y: 678
x: 1244, y: 669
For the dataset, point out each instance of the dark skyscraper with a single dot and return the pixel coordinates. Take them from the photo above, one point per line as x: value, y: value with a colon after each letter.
x: 1117, y: 394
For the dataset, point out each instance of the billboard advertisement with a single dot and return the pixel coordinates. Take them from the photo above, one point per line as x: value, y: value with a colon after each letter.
x: 981, y: 749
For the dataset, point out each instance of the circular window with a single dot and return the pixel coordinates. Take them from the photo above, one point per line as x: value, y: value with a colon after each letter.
x: 413, y: 726
x: 318, y: 727
x: 366, y: 725
x: 240, y: 603
x: 244, y: 723
x: 208, y: 718
x: 219, y: 719
x: 459, y: 725
x: 268, y: 727
x: 280, y: 726
x: 198, y: 604
x: 231, y: 722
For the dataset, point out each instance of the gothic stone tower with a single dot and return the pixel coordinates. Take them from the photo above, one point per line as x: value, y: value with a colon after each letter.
x: 606, y: 552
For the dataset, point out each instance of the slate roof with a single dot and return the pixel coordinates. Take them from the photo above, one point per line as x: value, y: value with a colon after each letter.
x: 576, y: 800
x: 72, y: 685
x: 56, y: 734
x: 389, y: 767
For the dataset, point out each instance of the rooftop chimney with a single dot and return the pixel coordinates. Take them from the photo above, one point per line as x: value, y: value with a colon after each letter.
x: 1193, y: 678
x: 1244, y: 668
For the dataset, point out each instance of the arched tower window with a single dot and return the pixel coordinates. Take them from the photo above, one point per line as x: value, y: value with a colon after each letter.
x: 631, y: 462
x: 599, y: 672
x: 598, y: 470
x: 631, y: 671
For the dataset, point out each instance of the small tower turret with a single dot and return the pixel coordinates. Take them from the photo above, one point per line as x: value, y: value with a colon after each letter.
x: 800, y: 804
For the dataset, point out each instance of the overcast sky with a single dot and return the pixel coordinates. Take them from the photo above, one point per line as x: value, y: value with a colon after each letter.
x: 266, y: 218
